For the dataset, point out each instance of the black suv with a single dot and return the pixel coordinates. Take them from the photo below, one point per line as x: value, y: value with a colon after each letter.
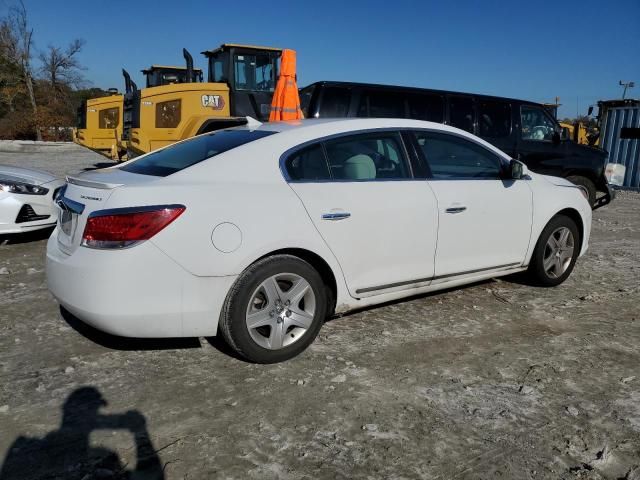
x: 524, y: 130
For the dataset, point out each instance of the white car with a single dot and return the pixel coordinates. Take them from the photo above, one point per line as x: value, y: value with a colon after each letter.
x: 26, y: 199
x: 260, y: 232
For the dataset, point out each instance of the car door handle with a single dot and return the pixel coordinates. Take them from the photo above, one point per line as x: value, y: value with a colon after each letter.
x: 455, y: 209
x: 335, y: 216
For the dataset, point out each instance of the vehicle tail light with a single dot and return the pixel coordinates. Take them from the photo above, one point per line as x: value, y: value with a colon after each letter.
x: 125, y: 227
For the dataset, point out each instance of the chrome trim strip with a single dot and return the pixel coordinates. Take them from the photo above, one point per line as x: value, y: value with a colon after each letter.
x: 437, y: 277
x: 69, y: 205
x: 140, y: 209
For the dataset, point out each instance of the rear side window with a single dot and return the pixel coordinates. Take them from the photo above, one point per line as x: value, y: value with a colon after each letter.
x: 168, y: 114
x: 182, y: 155
x: 450, y: 157
x: 381, y: 104
x: 335, y: 102
x: 109, y: 118
x: 426, y: 107
x: 461, y: 113
x: 308, y: 164
x: 494, y: 119
x: 367, y: 157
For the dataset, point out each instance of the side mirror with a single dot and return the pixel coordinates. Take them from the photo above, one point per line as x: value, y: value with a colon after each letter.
x: 564, y: 134
x: 517, y: 169
x: 590, y: 111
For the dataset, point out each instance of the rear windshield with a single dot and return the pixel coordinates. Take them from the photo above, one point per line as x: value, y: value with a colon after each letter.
x: 183, y: 155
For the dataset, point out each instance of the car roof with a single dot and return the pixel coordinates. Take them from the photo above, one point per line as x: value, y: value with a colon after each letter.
x: 323, y: 127
x: 346, y: 124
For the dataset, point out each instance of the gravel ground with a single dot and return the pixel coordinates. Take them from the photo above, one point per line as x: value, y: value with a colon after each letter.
x: 495, y: 380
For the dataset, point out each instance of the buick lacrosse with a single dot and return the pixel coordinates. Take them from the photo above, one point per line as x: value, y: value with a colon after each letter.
x: 259, y: 233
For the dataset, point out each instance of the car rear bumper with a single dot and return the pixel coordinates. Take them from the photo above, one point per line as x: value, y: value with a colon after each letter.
x: 135, y: 292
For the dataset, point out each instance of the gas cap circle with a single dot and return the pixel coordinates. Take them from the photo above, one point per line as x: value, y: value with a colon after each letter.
x: 226, y: 237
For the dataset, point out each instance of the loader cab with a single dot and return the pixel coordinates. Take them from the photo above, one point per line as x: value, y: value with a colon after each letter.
x: 158, y: 75
x: 251, y: 74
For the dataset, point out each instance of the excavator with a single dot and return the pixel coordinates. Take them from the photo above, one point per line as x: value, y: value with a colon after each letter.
x: 240, y: 82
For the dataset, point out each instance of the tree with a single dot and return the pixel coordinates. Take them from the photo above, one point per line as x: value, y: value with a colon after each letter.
x: 61, y: 67
x: 16, y: 42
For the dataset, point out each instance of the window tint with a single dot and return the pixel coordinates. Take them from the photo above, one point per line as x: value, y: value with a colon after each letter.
x: 426, y: 107
x: 381, y: 104
x: 305, y: 99
x: 308, y: 164
x: 185, y: 154
x: 367, y: 157
x: 451, y: 157
x: 109, y: 118
x: 536, y: 124
x: 461, y: 113
x: 335, y: 102
x: 168, y: 114
x: 494, y: 119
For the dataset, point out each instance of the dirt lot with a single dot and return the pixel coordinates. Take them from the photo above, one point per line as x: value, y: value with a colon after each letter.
x: 496, y: 380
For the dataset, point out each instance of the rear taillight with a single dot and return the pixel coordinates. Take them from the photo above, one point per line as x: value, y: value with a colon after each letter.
x: 124, y: 227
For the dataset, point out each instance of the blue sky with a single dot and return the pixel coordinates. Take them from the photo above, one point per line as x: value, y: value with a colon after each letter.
x: 536, y: 50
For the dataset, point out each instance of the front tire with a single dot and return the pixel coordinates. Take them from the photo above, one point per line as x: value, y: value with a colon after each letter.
x: 556, y: 252
x: 274, y: 310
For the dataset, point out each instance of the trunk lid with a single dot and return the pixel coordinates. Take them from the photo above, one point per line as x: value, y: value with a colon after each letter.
x: 84, y: 194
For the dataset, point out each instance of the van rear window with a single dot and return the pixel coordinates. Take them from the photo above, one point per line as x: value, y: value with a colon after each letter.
x: 185, y: 154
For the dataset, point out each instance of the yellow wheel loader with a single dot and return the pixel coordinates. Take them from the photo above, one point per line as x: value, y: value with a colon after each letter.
x: 240, y: 82
x: 100, y: 125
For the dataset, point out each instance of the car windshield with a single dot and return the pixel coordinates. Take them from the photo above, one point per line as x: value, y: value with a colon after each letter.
x: 185, y: 154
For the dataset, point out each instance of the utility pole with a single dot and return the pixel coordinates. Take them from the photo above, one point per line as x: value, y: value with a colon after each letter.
x: 626, y: 85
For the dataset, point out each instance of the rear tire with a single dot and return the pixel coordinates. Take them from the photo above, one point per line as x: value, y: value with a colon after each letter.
x: 274, y: 310
x: 587, y: 184
x: 556, y: 252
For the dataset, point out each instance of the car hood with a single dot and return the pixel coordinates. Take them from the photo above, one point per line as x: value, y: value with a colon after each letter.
x: 26, y: 175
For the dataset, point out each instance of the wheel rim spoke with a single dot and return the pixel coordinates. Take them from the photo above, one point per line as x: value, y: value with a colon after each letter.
x: 260, y: 319
x: 300, y: 318
x: 272, y: 290
x: 297, y: 291
x: 276, y: 337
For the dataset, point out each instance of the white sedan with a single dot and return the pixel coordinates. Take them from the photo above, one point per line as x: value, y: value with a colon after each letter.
x: 26, y: 199
x: 259, y: 233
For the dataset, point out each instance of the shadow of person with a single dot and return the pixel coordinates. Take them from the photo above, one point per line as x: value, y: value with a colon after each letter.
x: 66, y: 453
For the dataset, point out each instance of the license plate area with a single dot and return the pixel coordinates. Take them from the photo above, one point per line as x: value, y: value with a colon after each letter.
x: 68, y: 221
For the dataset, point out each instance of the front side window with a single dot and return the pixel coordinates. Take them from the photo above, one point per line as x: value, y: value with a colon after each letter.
x: 255, y: 72
x: 168, y: 114
x: 109, y: 118
x: 461, y: 113
x: 373, y: 156
x: 536, y: 124
x: 179, y: 156
x: 308, y: 164
x: 450, y: 157
x: 494, y: 119
x: 335, y: 102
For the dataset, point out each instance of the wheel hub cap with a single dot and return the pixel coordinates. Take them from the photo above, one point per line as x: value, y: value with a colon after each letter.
x: 280, y: 311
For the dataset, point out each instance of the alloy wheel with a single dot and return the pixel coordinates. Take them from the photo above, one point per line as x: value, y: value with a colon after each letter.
x: 558, y: 252
x: 280, y: 311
